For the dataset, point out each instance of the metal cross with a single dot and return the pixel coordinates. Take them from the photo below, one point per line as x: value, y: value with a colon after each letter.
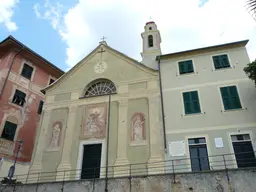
x: 150, y: 18
x: 101, y: 51
x: 103, y: 38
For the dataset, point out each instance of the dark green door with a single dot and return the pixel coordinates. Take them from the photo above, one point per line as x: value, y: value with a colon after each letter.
x: 244, y: 153
x: 91, y: 161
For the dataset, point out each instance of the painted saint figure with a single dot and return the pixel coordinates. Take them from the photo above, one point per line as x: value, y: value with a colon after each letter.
x: 95, y: 122
x: 55, y: 136
x: 138, y: 127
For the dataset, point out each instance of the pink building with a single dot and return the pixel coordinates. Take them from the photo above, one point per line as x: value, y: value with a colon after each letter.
x: 23, y: 74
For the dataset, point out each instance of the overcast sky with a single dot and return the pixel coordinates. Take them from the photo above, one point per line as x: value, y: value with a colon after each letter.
x: 65, y: 31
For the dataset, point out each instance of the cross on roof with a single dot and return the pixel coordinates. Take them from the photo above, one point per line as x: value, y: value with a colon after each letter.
x: 103, y: 38
x: 150, y: 18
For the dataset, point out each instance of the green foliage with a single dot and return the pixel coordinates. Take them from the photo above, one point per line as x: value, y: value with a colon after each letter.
x: 250, y: 71
x: 251, y: 7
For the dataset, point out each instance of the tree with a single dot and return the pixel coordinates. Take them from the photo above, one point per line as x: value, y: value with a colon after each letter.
x: 250, y: 70
x: 251, y: 7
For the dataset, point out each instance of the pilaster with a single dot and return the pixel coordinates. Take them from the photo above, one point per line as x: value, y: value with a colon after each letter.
x: 37, y: 162
x: 120, y: 168
x: 155, y: 162
x: 36, y: 166
x: 65, y: 163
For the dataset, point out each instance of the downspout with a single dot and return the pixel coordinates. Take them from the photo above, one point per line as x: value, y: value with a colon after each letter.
x: 162, y: 104
x: 9, y: 71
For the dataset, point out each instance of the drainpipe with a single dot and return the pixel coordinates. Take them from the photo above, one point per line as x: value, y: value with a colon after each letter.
x: 9, y: 71
x: 162, y: 104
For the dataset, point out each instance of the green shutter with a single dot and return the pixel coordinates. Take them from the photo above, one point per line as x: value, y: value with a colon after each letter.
x: 186, y: 67
x: 221, y: 61
x: 216, y: 62
x: 230, y: 98
x: 224, y: 61
x: 225, y: 97
x: 190, y: 68
x: 236, y: 104
x: 191, y: 102
x: 182, y: 67
x: 195, y: 102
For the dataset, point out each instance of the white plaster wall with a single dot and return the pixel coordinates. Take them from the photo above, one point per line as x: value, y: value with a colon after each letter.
x: 207, y: 81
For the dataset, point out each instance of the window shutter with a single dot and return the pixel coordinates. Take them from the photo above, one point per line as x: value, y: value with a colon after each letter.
x: 230, y: 98
x: 225, y: 97
x: 182, y: 67
x: 225, y: 61
x: 236, y: 104
x: 195, y: 102
x: 216, y: 62
x: 191, y: 102
x: 190, y: 66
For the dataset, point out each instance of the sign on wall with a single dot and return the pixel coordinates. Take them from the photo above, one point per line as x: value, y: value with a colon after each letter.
x: 177, y: 148
x: 218, y: 142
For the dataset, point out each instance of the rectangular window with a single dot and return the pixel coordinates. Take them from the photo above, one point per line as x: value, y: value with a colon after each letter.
x: 191, y: 102
x: 27, y: 71
x: 40, y: 107
x: 230, y: 98
x: 186, y: 67
x: 19, y: 98
x: 51, y: 81
x: 221, y: 61
x: 9, y: 131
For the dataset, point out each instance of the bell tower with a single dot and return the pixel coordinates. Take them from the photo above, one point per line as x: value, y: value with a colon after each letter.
x: 151, y: 44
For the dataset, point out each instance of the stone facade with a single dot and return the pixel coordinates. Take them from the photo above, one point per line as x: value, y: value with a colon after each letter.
x: 233, y: 180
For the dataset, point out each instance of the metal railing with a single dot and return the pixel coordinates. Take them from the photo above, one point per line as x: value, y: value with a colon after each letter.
x: 173, y: 166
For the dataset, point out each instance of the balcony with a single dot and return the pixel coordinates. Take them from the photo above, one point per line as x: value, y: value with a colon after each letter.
x: 6, y: 146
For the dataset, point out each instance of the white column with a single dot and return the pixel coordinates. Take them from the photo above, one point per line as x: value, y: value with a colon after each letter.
x: 36, y: 166
x: 65, y: 163
x: 121, y: 160
x: 155, y: 162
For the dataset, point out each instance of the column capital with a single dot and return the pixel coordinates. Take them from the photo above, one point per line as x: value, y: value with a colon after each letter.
x: 153, y: 99
x: 72, y: 108
x: 123, y: 102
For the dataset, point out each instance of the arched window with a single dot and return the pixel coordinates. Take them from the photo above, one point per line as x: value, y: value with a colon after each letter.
x: 150, y: 41
x: 100, y: 87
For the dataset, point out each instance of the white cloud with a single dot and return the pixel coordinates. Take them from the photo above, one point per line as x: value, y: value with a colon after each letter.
x: 52, y: 12
x: 184, y: 24
x: 6, y: 13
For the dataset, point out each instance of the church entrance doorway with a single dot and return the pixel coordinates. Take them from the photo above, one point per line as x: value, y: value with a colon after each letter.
x: 91, y: 161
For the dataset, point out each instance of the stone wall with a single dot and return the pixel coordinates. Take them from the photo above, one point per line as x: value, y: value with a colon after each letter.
x: 240, y: 180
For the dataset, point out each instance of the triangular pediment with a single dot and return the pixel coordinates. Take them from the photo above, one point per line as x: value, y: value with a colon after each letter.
x: 116, y: 66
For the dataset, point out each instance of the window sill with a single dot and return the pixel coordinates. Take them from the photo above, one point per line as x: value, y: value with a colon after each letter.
x: 193, y: 114
x: 15, y: 105
x: 187, y: 74
x: 223, y: 69
x: 233, y: 110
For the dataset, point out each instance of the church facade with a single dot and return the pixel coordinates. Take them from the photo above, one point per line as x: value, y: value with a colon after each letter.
x: 111, y: 110
x: 104, y: 111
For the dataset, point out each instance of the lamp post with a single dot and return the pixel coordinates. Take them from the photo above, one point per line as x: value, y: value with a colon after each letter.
x: 12, y: 168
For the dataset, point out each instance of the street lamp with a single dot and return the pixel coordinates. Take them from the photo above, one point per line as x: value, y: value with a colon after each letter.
x: 12, y: 168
